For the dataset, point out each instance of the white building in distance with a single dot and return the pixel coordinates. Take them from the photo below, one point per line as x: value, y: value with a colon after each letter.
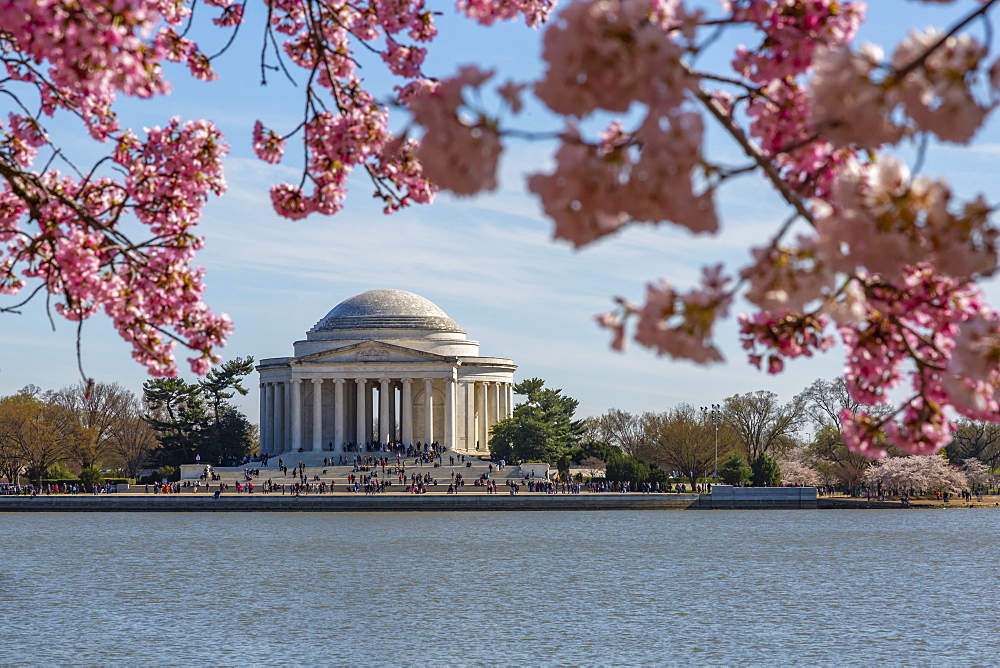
x: 383, y: 353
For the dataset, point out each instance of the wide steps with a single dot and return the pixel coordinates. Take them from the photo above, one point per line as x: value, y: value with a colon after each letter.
x: 338, y: 474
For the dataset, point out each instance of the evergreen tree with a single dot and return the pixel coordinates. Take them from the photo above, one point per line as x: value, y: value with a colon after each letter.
x: 221, y: 384
x: 541, y: 429
x: 177, y: 414
x: 765, y: 471
x: 625, y: 468
x: 193, y: 419
x: 735, y: 470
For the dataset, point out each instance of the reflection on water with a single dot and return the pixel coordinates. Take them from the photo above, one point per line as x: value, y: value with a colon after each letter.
x: 541, y: 587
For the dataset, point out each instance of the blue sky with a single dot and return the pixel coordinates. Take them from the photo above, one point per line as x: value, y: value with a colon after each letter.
x: 489, y: 262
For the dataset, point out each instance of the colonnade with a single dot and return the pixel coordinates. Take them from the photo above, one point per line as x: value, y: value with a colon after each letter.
x: 326, y: 413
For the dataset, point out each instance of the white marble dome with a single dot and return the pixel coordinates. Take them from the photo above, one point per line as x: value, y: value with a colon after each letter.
x: 387, y: 309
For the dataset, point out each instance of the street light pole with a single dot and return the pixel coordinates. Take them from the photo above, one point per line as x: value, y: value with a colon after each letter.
x: 714, y: 414
x: 715, y: 421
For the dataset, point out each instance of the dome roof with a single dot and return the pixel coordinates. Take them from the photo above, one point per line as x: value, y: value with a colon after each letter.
x: 387, y: 309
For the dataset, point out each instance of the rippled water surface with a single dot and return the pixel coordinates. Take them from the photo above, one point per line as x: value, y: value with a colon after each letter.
x: 685, y: 587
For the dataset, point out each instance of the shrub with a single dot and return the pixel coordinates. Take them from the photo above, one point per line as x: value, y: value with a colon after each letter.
x: 91, y: 476
x: 171, y: 473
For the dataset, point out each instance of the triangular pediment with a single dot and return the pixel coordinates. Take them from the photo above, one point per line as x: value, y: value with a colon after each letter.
x: 374, y: 352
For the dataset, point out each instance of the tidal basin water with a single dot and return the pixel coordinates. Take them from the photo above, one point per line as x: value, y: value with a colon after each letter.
x: 654, y: 587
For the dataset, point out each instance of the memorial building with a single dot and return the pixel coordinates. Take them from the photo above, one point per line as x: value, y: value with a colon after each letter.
x: 385, y: 366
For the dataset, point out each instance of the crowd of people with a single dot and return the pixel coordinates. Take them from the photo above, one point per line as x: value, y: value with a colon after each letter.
x: 30, y: 489
x: 374, y: 469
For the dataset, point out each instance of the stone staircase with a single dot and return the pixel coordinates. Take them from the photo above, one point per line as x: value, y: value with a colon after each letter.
x: 337, y: 474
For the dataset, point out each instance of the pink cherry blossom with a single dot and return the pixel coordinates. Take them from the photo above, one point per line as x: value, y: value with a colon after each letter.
x: 457, y: 154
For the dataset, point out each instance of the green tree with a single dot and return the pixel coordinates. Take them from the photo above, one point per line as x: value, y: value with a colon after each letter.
x: 236, y: 435
x: 563, y: 466
x: 541, y: 428
x: 765, y: 472
x: 219, y: 386
x: 594, y: 449
x: 523, y: 437
x: 37, y: 433
x: 681, y: 440
x: 762, y: 424
x: 625, y: 468
x: 197, y: 418
x: 735, y: 470
x: 98, y: 408
x: 177, y: 414
x: 91, y: 476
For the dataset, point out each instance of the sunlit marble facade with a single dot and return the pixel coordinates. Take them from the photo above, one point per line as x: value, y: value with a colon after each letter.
x: 385, y: 366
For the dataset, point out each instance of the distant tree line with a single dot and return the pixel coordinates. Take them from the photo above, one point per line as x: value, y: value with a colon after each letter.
x: 753, y: 439
x: 96, y: 430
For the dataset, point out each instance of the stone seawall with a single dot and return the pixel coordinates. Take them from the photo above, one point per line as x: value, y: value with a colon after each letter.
x: 345, y: 503
x: 129, y: 503
x: 726, y: 497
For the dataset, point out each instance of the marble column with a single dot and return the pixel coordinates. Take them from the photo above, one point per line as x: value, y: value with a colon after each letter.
x: 510, y: 399
x: 278, y: 413
x: 449, y: 413
x: 392, y: 411
x: 501, y: 397
x: 262, y: 420
x: 428, y: 410
x: 494, y: 403
x: 484, y: 417
x: 317, y: 444
x: 383, y: 411
x: 338, y: 414
x: 360, y: 426
x: 287, y: 415
x: 470, y: 415
x: 370, y: 434
x: 406, y: 408
x: 296, y: 413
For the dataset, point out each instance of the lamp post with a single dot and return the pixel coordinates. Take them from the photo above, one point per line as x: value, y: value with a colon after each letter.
x: 713, y: 414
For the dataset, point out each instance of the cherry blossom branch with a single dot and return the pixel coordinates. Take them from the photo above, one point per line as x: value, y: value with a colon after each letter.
x: 900, y: 73
x: 753, y: 152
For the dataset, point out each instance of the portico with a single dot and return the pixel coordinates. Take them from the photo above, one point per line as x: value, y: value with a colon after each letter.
x: 385, y: 366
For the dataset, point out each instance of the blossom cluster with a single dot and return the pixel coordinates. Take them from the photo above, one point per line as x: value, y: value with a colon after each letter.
x: 456, y: 154
x: 80, y: 253
x: 673, y: 323
x: 887, y: 260
x: 122, y: 240
x: 346, y: 128
x: 80, y: 235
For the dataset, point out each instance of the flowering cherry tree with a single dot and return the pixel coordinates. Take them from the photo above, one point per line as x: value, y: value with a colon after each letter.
x: 978, y: 474
x: 920, y: 473
x: 873, y: 253
x: 798, y: 469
